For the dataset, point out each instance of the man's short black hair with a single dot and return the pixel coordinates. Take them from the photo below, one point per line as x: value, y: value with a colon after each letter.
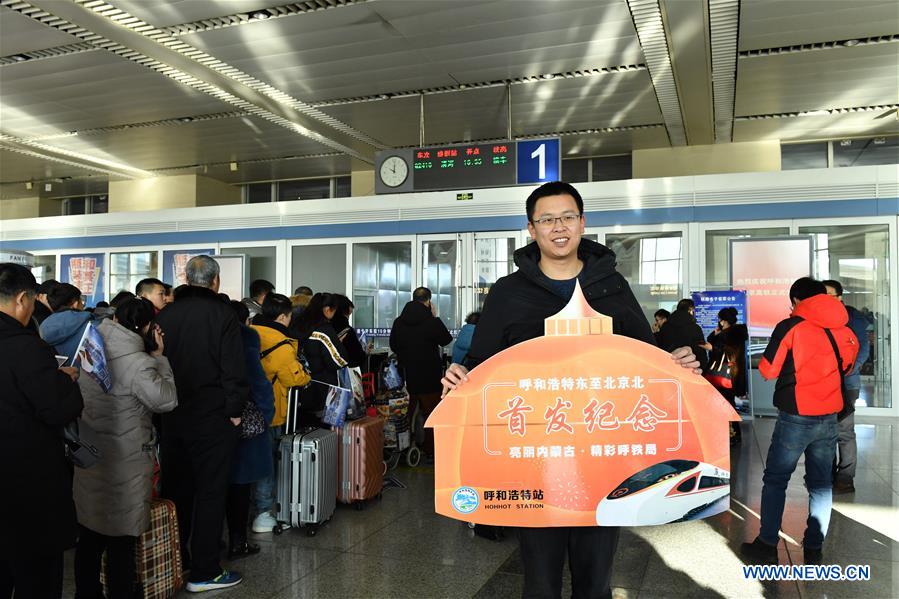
x: 147, y: 285
x: 14, y: 279
x: 168, y: 288
x: 553, y: 188
x: 685, y: 304
x: 102, y: 304
x: 836, y: 286
x: 45, y: 287
x: 663, y: 313
x: 120, y: 298
x: 473, y: 318
x: 63, y: 296
x: 303, y: 290
x: 422, y: 294
x: 805, y: 288
x: 243, y: 313
x: 275, y: 305
x: 260, y: 287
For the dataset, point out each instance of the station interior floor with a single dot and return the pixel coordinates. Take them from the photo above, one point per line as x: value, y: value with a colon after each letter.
x: 398, y: 547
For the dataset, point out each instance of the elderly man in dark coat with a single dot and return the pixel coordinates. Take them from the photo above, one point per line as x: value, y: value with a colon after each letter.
x: 37, y: 514
x: 204, y: 347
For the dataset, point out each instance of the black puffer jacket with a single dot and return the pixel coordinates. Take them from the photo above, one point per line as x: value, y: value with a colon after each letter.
x: 205, y: 348
x: 326, y: 355
x: 37, y: 514
x: 518, y: 304
x: 681, y: 330
x: 416, y: 338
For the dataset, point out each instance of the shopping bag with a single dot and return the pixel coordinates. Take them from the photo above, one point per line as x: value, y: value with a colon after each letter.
x: 719, y: 372
x: 337, y: 402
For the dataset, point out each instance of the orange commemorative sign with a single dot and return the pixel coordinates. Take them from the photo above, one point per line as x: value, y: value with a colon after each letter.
x: 581, y: 427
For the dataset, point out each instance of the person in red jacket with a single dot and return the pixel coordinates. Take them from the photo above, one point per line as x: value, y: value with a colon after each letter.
x: 806, y: 353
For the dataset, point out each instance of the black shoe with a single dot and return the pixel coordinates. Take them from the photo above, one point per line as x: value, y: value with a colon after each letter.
x: 244, y: 550
x: 843, y: 486
x: 491, y: 533
x: 811, y: 556
x: 759, y: 552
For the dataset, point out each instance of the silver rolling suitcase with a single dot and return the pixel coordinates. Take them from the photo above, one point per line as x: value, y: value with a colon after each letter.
x: 307, y: 479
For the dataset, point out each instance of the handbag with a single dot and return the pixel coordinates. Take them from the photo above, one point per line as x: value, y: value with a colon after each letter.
x: 252, y: 422
x: 848, y: 405
x: 80, y: 442
x: 719, y: 372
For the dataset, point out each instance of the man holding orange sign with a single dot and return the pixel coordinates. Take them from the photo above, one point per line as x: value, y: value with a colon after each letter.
x: 516, y: 310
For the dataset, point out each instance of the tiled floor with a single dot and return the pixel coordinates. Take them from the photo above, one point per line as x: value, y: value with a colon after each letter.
x: 398, y: 547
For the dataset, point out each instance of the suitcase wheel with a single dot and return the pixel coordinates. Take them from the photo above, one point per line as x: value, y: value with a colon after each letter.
x: 311, y: 530
x: 359, y: 506
x: 413, y: 457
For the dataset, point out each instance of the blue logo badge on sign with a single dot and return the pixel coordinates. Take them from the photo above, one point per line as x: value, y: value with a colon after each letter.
x: 465, y: 500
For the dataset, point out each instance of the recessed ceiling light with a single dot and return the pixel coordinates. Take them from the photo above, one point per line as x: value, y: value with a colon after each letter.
x: 48, y: 187
x: 879, y: 141
x: 548, y: 76
x: 20, y: 57
x: 260, y: 15
x: 186, y: 119
x: 850, y: 43
x: 233, y: 166
x: 845, y: 142
x: 28, y: 185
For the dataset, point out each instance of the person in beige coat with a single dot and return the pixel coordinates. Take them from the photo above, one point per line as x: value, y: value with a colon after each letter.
x: 113, y: 497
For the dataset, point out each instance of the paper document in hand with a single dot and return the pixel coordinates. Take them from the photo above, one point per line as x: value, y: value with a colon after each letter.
x: 91, y: 358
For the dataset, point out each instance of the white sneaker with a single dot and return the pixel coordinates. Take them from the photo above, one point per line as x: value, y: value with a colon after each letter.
x: 264, y: 522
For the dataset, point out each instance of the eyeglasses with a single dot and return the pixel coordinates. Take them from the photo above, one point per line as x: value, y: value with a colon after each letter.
x: 546, y: 222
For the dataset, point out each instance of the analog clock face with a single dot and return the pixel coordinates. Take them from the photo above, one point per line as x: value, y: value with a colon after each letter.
x: 394, y: 171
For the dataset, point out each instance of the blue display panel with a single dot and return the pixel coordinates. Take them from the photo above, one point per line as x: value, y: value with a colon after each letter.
x: 709, y: 303
x: 539, y: 161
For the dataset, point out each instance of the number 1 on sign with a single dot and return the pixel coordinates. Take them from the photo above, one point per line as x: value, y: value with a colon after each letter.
x: 540, y: 153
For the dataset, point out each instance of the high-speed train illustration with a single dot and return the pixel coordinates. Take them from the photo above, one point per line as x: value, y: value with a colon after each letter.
x: 665, y: 492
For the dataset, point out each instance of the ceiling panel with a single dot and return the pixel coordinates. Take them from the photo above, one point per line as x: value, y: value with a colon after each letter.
x: 358, y: 50
x: 466, y: 115
x: 200, y: 142
x: 616, y: 142
x: 776, y: 23
x: 393, y: 122
x: 20, y: 167
x: 20, y: 34
x: 91, y: 89
x: 162, y: 13
x: 608, y: 100
x: 817, y: 127
x: 838, y: 78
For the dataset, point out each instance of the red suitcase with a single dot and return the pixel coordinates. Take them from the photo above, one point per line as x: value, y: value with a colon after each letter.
x: 360, y: 460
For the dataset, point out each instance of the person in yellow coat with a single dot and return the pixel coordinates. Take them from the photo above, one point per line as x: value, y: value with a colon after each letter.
x: 283, y: 368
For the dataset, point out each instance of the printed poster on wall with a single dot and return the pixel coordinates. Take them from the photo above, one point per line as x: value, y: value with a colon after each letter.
x: 581, y: 427
x: 84, y: 271
x: 709, y: 303
x: 766, y: 268
x: 174, y: 262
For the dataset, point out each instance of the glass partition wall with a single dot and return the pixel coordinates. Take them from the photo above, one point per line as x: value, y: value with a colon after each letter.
x: 662, y: 263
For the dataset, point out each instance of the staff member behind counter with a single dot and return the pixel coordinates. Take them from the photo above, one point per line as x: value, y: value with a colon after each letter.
x: 514, y: 311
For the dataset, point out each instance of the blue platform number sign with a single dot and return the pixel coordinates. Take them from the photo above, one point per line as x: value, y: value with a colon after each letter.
x: 538, y: 161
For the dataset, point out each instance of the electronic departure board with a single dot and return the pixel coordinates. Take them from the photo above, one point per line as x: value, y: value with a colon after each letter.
x: 467, y: 166
x: 480, y: 165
